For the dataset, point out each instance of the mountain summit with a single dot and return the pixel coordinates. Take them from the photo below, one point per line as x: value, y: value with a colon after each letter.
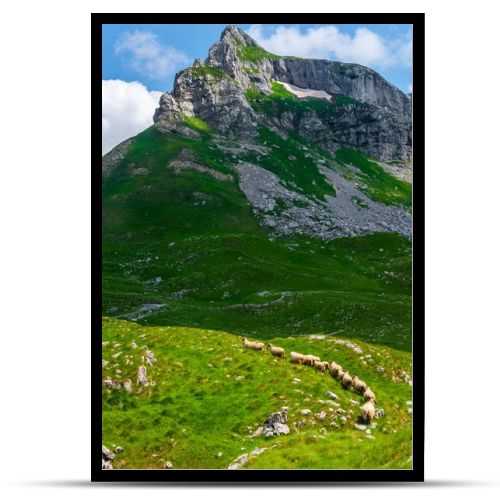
x: 371, y: 114
x: 261, y: 197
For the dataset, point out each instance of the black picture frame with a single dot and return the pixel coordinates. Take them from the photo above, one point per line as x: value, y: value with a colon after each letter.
x: 282, y: 476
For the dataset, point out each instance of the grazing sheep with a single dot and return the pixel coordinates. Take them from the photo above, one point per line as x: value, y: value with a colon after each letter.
x: 359, y: 385
x: 296, y: 357
x: 368, y: 411
x: 335, y: 369
x: 346, y: 380
x: 277, y: 351
x: 257, y: 346
x: 340, y: 374
x: 309, y: 359
x: 369, y: 395
x: 322, y: 365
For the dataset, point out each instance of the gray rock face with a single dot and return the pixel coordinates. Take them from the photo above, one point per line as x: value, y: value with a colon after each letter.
x: 381, y: 126
x: 353, y: 80
x: 217, y: 99
x: 379, y: 132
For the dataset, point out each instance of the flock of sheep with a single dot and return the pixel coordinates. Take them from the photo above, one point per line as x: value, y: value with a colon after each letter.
x: 335, y: 370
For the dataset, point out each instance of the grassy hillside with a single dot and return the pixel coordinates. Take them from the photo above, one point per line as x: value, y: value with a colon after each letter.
x: 210, y: 394
x: 191, y: 244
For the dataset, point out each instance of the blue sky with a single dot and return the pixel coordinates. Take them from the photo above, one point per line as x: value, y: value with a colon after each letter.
x: 140, y: 60
x: 194, y: 40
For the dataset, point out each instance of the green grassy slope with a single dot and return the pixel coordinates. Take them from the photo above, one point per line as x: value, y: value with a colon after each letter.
x: 191, y: 243
x: 210, y: 394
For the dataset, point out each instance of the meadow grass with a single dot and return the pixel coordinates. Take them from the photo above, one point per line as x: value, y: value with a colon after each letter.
x: 209, y: 394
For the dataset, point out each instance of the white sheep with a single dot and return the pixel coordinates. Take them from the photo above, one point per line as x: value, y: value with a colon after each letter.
x: 369, y: 395
x: 322, y: 365
x: 276, y: 351
x: 368, y: 411
x: 335, y: 369
x: 359, y: 385
x: 258, y: 346
x: 309, y: 359
x: 296, y: 357
x: 346, y: 380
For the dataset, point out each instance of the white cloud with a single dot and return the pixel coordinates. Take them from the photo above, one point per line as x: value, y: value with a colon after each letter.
x: 328, y: 42
x: 148, y: 56
x: 127, y: 109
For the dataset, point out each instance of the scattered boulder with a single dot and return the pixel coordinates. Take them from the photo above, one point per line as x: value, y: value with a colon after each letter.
x: 275, y: 424
x: 331, y: 395
x: 307, y: 411
x: 107, y: 458
x: 150, y: 358
x: 360, y: 427
x: 142, y: 378
x: 379, y: 413
x: 112, y: 384
x: 380, y: 369
x: 104, y: 363
x: 118, y: 449
x: 107, y: 454
x: 127, y: 385
x: 107, y: 465
x: 321, y: 415
x: 168, y: 465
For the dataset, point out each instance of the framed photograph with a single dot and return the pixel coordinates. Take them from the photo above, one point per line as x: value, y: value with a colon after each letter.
x: 258, y: 247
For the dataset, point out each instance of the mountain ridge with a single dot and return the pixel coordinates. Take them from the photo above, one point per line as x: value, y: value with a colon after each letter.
x: 378, y: 118
x: 266, y: 226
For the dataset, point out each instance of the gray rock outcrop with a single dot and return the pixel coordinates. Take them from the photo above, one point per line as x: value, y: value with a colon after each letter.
x: 275, y: 424
x: 377, y: 121
x: 107, y: 458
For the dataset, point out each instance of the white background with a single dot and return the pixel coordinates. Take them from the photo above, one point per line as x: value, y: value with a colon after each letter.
x: 45, y: 249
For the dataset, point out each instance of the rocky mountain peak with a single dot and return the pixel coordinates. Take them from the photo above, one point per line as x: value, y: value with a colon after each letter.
x: 236, y: 36
x: 367, y: 112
